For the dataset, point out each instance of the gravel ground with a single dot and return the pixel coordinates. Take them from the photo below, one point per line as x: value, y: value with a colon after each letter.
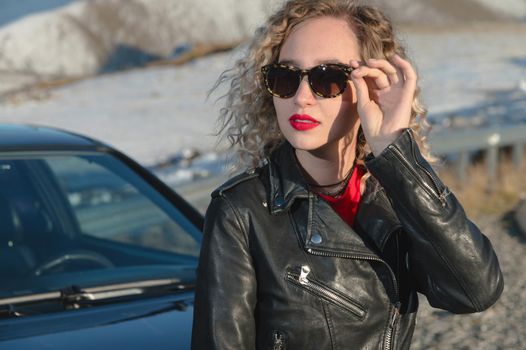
x: 499, y: 327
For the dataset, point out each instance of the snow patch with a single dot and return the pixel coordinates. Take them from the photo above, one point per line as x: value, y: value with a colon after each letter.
x: 80, y: 38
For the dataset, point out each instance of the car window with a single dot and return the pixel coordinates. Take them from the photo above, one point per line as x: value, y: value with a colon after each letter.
x: 86, y: 218
x: 112, y: 203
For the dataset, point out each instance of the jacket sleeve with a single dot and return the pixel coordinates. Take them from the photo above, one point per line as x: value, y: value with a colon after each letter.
x: 453, y: 263
x: 226, y: 286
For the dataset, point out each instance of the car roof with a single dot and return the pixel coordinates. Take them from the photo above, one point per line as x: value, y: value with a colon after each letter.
x: 36, y: 137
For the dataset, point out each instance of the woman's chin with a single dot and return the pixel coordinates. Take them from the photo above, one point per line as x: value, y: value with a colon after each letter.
x: 304, y: 143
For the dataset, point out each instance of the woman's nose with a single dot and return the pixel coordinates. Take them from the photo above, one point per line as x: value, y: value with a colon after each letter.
x: 304, y: 96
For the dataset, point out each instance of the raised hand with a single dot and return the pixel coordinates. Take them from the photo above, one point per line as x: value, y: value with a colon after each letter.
x: 385, y: 91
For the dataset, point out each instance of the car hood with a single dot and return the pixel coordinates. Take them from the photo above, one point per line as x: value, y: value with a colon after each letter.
x: 155, y: 323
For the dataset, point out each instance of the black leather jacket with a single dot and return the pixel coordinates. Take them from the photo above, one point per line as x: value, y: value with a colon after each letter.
x: 279, y: 269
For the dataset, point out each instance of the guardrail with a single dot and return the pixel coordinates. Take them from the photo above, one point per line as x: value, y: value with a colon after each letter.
x: 462, y: 143
x: 490, y: 140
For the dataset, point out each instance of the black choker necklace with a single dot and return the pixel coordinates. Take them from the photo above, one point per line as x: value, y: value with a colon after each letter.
x: 337, y: 188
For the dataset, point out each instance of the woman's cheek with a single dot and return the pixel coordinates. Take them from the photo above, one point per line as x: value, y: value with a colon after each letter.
x: 282, y: 111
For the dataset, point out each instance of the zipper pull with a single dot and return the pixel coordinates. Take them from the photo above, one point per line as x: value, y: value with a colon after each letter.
x: 443, y: 196
x: 279, y: 341
x: 396, y: 314
x: 305, y: 270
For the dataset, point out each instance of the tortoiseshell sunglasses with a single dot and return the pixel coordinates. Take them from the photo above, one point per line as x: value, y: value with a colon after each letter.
x: 326, y: 80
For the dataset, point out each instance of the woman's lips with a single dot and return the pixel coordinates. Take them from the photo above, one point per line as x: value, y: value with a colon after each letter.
x: 303, y: 122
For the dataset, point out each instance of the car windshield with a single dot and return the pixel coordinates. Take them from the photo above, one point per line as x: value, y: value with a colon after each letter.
x: 86, y: 219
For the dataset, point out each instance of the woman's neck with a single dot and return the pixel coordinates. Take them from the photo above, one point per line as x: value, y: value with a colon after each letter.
x: 328, y: 165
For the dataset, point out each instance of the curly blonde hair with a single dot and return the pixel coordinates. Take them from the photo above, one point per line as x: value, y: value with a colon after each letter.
x: 248, y: 119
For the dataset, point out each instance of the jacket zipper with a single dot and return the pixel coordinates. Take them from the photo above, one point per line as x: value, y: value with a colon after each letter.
x: 391, y: 327
x: 319, y: 289
x: 396, y: 313
x: 279, y: 341
x: 440, y: 195
x: 359, y: 257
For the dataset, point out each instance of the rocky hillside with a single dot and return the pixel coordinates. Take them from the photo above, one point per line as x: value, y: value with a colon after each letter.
x: 97, y: 36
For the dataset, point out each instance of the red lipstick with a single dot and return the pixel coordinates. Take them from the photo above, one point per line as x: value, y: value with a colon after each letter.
x: 302, y: 122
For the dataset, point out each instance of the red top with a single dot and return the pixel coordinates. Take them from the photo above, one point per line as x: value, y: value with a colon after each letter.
x: 346, y: 204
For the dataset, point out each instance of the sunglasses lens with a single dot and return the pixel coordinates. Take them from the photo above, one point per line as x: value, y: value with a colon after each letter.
x: 282, y: 81
x: 325, y: 80
x: 328, y: 81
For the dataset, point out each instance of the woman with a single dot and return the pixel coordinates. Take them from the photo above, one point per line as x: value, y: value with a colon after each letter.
x: 340, y: 220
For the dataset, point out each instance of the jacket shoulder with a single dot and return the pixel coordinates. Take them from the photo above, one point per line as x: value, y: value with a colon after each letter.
x: 235, y: 181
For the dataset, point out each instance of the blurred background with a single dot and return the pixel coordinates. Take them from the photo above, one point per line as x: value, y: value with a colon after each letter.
x: 136, y: 73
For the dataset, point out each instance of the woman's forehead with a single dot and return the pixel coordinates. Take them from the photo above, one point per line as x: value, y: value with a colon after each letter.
x: 320, y: 40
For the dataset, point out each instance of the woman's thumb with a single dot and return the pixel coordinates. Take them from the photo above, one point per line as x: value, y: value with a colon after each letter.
x: 362, y: 91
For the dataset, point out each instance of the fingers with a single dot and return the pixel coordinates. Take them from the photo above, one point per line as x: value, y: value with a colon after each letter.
x: 376, y: 75
x: 386, y: 67
x: 385, y: 73
x: 362, y: 90
x: 407, y: 70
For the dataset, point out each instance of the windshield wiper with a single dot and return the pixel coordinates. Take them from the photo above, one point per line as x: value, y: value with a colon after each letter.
x: 74, y: 296
x: 9, y: 311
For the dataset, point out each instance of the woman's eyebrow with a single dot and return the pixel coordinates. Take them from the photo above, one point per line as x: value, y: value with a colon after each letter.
x: 289, y: 62
x: 331, y: 60
x: 316, y: 62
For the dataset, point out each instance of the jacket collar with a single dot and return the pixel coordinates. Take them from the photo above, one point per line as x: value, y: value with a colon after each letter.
x: 375, y: 218
x: 286, y: 183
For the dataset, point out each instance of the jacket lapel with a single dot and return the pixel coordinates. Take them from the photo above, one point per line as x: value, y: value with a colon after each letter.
x: 286, y: 183
x: 375, y: 216
x: 325, y: 230
x: 316, y: 224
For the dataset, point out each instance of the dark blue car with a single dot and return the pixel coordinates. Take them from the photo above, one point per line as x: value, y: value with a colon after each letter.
x: 95, y: 251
